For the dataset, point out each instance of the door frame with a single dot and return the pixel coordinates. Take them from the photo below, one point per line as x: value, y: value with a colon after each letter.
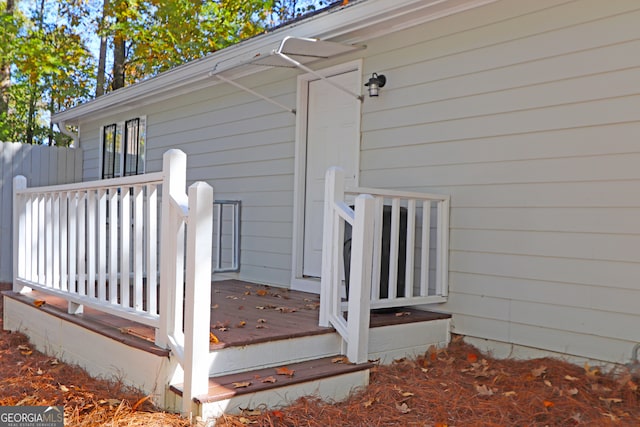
x: 298, y: 281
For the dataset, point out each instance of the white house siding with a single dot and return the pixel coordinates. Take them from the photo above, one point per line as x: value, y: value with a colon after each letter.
x: 243, y: 147
x: 528, y: 114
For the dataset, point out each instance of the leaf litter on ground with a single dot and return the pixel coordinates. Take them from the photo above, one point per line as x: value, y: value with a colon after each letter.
x: 451, y: 386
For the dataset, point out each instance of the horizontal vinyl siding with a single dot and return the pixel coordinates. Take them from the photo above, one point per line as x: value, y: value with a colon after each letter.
x: 528, y: 115
x: 243, y: 147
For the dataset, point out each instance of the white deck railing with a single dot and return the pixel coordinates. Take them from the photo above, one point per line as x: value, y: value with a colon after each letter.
x: 394, y: 253
x: 96, y: 244
x: 92, y: 243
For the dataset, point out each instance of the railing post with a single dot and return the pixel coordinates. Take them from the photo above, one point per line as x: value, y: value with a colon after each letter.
x: 334, y: 190
x: 19, y: 230
x: 360, y: 279
x: 174, y: 169
x: 198, y: 294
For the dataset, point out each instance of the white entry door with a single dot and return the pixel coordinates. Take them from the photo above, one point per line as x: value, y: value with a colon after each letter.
x: 333, y: 139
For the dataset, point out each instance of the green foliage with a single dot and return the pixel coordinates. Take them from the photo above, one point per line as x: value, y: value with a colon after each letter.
x: 161, y: 34
x: 44, y: 45
x: 50, y: 69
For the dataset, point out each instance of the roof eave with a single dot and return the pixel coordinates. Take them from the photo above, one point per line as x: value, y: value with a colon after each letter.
x: 331, y: 24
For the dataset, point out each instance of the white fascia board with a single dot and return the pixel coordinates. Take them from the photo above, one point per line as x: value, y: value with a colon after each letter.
x: 362, y: 20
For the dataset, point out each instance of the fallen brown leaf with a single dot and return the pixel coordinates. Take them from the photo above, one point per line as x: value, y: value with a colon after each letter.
x: 242, y: 384
x: 590, y: 372
x: 283, y: 370
x: 140, y: 402
x: 611, y: 400
x: 483, y: 390
x: 250, y: 412
x: 403, y: 408
x: 369, y: 402
x: 538, y: 372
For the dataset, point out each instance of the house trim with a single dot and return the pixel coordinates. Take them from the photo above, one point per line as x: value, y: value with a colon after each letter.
x: 298, y: 282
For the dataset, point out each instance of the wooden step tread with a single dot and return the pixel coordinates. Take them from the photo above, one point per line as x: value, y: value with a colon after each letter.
x: 228, y: 386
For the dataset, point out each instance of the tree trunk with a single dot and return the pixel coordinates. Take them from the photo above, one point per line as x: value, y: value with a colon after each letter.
x: 118, y: 61
x: 31, y: 118
x: 102, y: 56
x: 5, y: 72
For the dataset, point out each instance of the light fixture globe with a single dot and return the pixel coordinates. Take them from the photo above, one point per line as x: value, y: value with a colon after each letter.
x: 375, y: 83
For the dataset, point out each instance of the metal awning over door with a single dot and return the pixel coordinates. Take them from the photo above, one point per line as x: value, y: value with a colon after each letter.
x: 292, y: 52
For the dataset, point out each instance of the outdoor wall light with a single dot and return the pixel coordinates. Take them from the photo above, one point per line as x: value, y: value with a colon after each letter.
x: 375, y: 83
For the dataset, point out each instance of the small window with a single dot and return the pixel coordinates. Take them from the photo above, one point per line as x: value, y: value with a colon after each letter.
x: 110, y: 149
x: 123, y: 148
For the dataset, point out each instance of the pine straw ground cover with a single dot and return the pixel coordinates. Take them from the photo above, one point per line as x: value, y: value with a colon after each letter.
x: 457, y: 386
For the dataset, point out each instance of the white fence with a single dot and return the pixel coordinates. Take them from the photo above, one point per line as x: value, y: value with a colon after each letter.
x: 42, y: 165
x: 96, y: 244
x: 394, y: 254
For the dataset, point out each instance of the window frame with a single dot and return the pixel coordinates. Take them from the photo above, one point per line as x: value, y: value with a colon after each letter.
x: 123, y: 133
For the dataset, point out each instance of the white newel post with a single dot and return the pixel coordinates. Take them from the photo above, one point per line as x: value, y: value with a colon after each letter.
x: 198, y: 294
x: 174, y: 169
x: 19, y: 229
x: 334, y: 191
x: 360, y: 279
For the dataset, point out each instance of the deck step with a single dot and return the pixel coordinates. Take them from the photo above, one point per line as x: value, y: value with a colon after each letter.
x: 327, y: 378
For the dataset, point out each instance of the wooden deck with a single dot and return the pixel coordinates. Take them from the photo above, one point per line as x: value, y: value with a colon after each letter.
x: 242, y: 313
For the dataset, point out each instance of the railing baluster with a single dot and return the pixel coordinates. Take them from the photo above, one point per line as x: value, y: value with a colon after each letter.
x: 72, y: 226
x: 92, y: 247
x: 55, y: 246
x: 377, y: 249
x: 138, y: 245
x: 112, y: 244
x: 394, y: 245
x: 151, y: 240
x: 425, y: 248
x: 125, y: 225
x: 64, y: 236
x: 411, y: 238
x: 103, y: 226
x: 82, y: 222
x: 35, y: 230
x: 41, y: 223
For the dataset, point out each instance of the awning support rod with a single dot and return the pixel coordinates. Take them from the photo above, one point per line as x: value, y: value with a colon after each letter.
x: 318, y: 75
x: 254, y: 93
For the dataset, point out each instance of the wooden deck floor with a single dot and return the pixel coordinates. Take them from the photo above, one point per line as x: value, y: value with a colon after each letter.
x: 241, y: 313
